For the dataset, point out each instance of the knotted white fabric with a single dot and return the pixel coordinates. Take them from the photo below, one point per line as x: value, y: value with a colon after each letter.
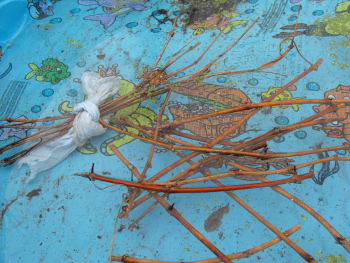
x: 85, y: 125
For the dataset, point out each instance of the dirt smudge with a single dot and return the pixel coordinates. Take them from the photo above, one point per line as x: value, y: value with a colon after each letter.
x: 3, y: 211
x: 121, y: 228
x: 213, y: 222
x: 33, y: 193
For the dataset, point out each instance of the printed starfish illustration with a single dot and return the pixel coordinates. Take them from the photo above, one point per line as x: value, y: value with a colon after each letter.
x: 21, y: 133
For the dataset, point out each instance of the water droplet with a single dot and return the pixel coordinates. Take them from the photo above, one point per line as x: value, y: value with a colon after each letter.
x: 279, y: 139
x: 292, y: 18
x: 131, y: 24
x: 252, y: 1
x: 295, y: 8
x: 249, y: 11
x: 180, y: 74
x: 155, y: 30
x: 253, y: 82
x: 318, y: 13
x: 55, y: 20
x: 81, y: 64
x: 155, y: 13
x: 281, y: 120
x: 36, y: 109
x: 176, y: 13
x: 47, y: 92
x: 221, y: 79
x: 341, y: 152
x: 300, y: 134
x: 72, y: 93
x: 312, y: 86
x: 74, y: 11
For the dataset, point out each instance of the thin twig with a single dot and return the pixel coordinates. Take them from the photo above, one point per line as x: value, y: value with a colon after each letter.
x: 254, y: 106
x: 337, y: 236
x: 171, y: 210
x: 116, y: 221
x: 174, y: 190
x: 245, y: 254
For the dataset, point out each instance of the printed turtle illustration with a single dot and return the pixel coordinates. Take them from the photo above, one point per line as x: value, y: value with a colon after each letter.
x: 285, y: 95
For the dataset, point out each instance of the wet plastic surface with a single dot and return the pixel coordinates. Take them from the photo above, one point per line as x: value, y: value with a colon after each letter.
x: 62, y: 218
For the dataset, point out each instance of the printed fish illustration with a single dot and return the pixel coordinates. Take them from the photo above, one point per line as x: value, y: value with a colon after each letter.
x: 285, y: 95
x: 212, y: 98
x: 8, y: 133
x: 51, y: 71
x: 217, y: 21
x: 331, y: 25
x: 337, y: 129
x: 114, y: 8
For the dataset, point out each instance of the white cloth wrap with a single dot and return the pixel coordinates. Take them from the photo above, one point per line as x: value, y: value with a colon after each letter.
x: 85, y: 125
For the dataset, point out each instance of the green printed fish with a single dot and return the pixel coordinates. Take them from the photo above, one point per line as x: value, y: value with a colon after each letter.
x: 51, y: 71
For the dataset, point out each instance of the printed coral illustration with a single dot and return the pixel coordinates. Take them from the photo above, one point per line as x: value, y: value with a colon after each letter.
x: 325, y: 171
x: 272, y: 17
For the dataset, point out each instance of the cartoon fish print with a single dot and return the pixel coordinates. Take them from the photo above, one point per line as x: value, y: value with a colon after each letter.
x: 51, y: 71
x: 336, y: 129
x: 343, y: 7
x: 217, y: 21
x: 38, y: 9
x: 7, y: 133
x: 113, y: 8
x: 285, y: 95
x: 330, y: 25
x: 211, y: 98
